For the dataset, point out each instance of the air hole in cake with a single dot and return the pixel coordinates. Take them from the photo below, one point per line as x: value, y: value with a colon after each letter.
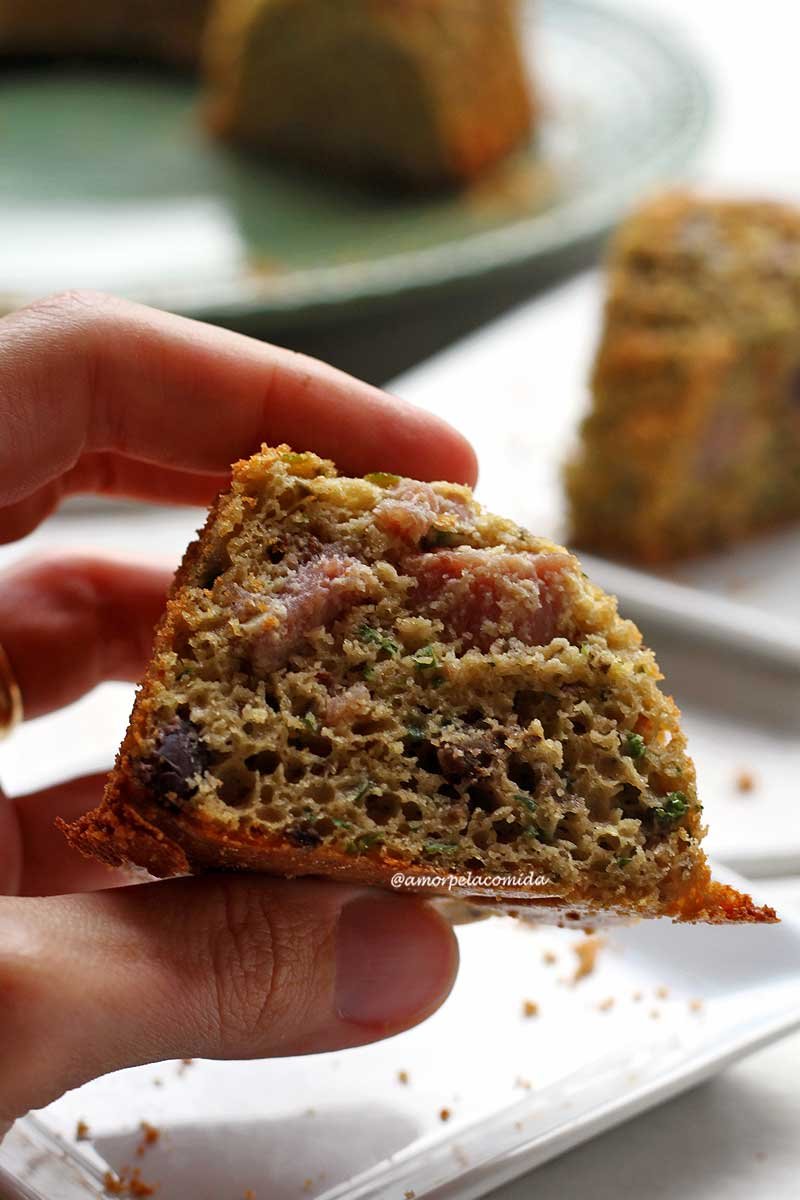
x: 412, y: 811
x: 273, y: 813
x: 427, y: 756
x: 321, y: 791
x: 236, y: 787
x: 520, y: 772
x: 530, y: 706
x: 293, y: 770
x: 275, y: 552
x: 610, y: 842
x: 316, y: 744
x: 482, y: 797
x: 507, y: 831
x: 217, y: 564
x: 629, y: 799
x: 383, y: 808
x: 265, y: 762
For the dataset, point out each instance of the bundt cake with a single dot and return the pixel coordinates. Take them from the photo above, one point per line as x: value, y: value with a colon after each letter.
x: 425, y: 91
x: 376, y: 680
x: 693, y: 436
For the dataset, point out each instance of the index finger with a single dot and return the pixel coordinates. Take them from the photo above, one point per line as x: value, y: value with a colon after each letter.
x: 86, y: 374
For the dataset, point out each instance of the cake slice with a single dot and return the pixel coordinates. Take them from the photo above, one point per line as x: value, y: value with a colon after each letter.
x: 356, y: 678
x: 693, y: 437
x: 423, y: 91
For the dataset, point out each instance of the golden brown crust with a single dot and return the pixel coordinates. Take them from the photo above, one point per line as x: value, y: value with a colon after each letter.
x: 129, y: 828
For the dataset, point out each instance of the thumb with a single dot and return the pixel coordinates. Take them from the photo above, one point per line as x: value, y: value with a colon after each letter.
x: 221, y: 967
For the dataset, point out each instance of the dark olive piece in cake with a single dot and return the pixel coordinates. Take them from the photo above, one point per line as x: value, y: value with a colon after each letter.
x: 360, y: 677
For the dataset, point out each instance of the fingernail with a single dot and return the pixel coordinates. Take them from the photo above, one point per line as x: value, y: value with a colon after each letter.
x: 395, y: 961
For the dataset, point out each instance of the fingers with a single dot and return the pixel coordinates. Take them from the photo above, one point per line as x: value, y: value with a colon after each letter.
x: 68, y: 623
x: 109, y: 475
x: 222, y: 967
x: 85, y: 374
x: 10, y: 849
x: 49, y: 866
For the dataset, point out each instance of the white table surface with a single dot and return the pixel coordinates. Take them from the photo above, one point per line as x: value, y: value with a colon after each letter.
x: 737, y: 1138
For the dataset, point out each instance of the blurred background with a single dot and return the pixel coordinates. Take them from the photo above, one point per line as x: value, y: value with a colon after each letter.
x: 112, y: 179
x: 128, y: 167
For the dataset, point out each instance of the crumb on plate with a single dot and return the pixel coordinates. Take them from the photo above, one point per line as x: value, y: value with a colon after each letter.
x: 127, y: 1183
x: 586, y: 951
x: 150, y: 1135
x: 745, y: 781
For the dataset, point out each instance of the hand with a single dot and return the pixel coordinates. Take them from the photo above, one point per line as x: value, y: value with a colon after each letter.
x: 104, y: 396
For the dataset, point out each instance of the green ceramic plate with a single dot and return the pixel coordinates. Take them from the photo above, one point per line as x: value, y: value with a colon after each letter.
x: 107, y: 181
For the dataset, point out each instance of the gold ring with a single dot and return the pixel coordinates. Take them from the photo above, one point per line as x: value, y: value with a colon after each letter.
x: 11, y: 711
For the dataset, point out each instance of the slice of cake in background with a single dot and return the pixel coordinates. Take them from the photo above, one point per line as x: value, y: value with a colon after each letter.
x: 424, y: 91
x: 693, y: 436
x: 359, y: 677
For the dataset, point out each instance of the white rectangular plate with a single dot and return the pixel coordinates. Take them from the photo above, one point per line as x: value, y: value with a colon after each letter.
x: 665, y: 1007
